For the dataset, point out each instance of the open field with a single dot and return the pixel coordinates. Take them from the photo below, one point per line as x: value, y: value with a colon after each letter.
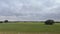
x: 29, y: 28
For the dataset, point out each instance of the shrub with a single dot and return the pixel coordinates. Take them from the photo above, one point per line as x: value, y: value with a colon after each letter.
x: 49, y: 22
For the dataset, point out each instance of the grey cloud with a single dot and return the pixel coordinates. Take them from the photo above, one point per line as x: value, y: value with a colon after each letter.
x: 30, y: 9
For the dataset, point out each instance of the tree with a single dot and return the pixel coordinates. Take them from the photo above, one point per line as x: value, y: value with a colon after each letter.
x: 1, y: 22
x: 6, y: 21
x: 49, y: 22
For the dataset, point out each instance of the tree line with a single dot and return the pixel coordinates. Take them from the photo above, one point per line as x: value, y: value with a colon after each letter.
x: 47, y: 22
x: 5, y: 21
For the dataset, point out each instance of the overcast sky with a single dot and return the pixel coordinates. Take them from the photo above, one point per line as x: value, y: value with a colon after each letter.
x: 29, y: 10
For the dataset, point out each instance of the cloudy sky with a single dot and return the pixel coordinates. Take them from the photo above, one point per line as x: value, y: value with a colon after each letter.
x: 29, y: 10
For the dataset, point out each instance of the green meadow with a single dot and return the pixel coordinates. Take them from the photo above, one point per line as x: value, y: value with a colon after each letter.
x: 29, y: 27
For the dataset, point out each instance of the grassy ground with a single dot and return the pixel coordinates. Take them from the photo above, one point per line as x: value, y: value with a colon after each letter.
x: 32, y: 28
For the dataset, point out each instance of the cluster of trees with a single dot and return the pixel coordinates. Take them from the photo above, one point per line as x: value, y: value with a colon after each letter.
x: 5, y: 21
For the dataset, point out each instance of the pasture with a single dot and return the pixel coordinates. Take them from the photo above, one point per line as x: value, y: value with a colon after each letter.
x: 29, y: 28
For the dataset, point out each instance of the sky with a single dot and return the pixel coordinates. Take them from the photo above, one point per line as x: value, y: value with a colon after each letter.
x: 29, y: 10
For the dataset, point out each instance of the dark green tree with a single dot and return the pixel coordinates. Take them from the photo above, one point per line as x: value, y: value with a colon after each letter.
x: 6, y: 21
x: 1, y: 21
x: 49, y: 22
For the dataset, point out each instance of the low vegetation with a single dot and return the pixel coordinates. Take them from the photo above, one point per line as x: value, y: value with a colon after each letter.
x: 30, y: 27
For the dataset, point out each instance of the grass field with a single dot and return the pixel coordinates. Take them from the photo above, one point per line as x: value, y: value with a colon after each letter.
x: 31, y: 28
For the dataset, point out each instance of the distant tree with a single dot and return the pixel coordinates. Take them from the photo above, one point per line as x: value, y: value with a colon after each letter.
x: 6, y: 21
x: 49, y: 22
x: 1, y: 22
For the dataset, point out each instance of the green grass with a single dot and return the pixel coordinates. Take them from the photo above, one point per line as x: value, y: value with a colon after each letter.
x: 30, y: 27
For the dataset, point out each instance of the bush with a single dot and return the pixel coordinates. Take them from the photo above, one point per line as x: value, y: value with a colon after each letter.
x: 57, y: 22
x: 49, y: 22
